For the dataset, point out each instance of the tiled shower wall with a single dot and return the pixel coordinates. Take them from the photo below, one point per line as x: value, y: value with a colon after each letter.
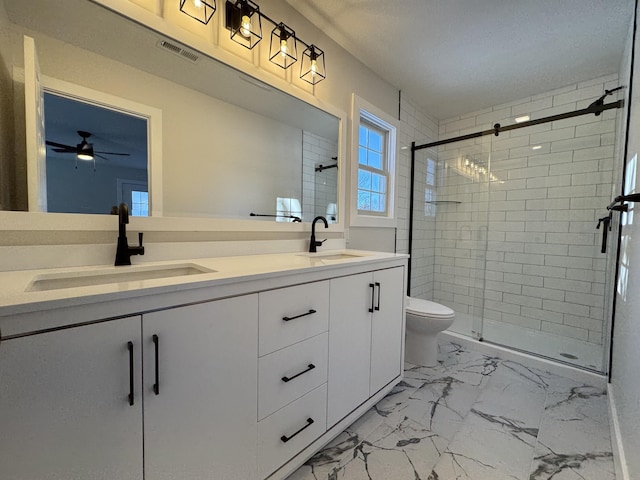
x: 318, y: 188
x: 416, y: 126
x: 535, y: 217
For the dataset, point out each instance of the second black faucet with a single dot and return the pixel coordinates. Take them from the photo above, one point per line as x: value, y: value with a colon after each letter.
x: 313, y: 244
x: 124, y: 251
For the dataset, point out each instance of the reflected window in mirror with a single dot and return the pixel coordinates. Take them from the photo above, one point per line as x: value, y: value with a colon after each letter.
x: 90, y: 149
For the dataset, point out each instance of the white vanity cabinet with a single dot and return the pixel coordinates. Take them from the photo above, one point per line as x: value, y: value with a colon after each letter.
x: 200, y: 388
x: 365, y: 338
x: 65, y: 407
x: 242, y: 378
x: 65, y: 411
x: 292, y: 395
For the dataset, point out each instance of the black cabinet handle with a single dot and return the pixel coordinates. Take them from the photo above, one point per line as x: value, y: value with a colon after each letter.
x: 378, y: 305
x: 285, y: 439
x: 156, y: 386
x: 373, y: 294
x: 310, y: 312
x: 309, y: 368
x: 131, y: 379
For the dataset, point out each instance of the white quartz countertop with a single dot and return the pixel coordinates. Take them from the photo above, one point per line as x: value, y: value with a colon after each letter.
x: 33, y: 290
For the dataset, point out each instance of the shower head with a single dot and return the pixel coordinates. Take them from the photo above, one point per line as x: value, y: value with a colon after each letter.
x: 600, y: 101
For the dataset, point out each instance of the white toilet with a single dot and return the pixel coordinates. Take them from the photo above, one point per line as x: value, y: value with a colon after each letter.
x: 425, y: 320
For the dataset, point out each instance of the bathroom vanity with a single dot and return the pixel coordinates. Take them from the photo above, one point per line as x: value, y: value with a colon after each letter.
x: 227, y: 368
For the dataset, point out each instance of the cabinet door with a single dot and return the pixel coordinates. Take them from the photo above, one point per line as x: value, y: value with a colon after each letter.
x: 387, y: 327
x: 64, y: 404
x: 202, y: 422
x: 349, y: 344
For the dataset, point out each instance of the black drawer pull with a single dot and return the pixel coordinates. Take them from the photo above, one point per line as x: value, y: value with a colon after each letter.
x: 309, y: 368
x: 378, y: 305
x: 156, y: 386
x: 285, y: 439
x: 310, y: 312
x: 373, y: 294
x: 131, y: 392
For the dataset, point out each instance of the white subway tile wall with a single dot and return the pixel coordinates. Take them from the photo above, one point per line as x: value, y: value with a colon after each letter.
x: 419, y: 127
x: 319, y: 188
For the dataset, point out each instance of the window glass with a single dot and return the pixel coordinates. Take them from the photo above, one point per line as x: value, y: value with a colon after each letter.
x: 372, y: 174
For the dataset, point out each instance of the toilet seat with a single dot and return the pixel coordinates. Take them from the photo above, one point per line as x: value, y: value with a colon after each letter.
x: 427, y: 309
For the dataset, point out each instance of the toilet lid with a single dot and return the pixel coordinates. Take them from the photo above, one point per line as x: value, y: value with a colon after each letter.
x: 425, y: 308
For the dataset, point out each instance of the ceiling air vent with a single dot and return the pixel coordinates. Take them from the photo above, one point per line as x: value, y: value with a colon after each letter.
x: 178, y: 50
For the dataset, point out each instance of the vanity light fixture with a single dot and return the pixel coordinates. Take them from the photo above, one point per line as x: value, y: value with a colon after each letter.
x: 283, y: 50
x: 536, y: 147
x: 201, y: 10
x: 312, y: 67
x: 243, y: 19
x: 524, y: 118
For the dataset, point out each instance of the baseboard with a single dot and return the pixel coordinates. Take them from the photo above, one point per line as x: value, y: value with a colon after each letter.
x: 619, y: 459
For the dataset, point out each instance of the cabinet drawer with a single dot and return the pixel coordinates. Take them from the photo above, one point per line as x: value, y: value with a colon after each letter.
x: 290, y: 315
x: 299, y: 423
x: 306, y: 361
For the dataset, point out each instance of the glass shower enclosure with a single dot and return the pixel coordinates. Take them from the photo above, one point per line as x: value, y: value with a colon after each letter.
x: 504, y: 233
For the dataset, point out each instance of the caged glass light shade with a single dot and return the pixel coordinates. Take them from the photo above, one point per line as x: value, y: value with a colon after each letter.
x: 243, y: 19
x: 312, y: 68
x: 283, y: 48
x: 201, y: 10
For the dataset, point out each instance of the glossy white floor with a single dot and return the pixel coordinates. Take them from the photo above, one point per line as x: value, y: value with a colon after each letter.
x: 475, y: 417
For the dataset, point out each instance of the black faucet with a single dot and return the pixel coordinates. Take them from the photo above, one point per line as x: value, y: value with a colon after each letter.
x: 313, y: 244
x: 124, y: 251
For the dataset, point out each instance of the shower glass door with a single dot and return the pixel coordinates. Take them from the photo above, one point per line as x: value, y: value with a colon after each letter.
x: 450, y: 229
x: 545, y: 273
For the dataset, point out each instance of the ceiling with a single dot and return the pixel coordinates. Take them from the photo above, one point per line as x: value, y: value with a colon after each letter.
x: 458, y: 56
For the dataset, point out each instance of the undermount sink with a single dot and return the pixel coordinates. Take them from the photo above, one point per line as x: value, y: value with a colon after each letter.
x: 332, y: 256
x: 56, y: 281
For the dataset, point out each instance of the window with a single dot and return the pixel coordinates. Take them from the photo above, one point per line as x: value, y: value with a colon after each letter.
x: 139, y: 204
x: 372, y: 173
x: 373, y: 166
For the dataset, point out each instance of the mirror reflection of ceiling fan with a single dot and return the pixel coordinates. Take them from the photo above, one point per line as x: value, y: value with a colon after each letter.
x: 83, y: 150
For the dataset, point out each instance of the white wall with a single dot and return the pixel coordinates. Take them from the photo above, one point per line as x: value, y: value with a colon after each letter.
x: 625, y: 371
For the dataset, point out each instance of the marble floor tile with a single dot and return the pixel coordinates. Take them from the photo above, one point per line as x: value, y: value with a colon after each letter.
x: 474, y: 417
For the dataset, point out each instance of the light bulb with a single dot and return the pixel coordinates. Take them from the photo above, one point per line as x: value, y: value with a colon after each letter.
x: 197, y: 3
x: 245, y: 28
x: 314, y: 67
x: 283, y: 48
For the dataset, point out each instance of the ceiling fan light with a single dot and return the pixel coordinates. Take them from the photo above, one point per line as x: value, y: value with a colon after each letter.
x: 85, y: 151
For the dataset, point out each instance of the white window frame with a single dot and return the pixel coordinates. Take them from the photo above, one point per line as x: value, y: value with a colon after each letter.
x: 363, y: 110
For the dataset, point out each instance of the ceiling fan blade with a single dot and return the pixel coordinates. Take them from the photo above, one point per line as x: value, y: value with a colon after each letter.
x: 113, y: 153
x: 101, y: 156
x: 64, y: 150
x: 61, y: 145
